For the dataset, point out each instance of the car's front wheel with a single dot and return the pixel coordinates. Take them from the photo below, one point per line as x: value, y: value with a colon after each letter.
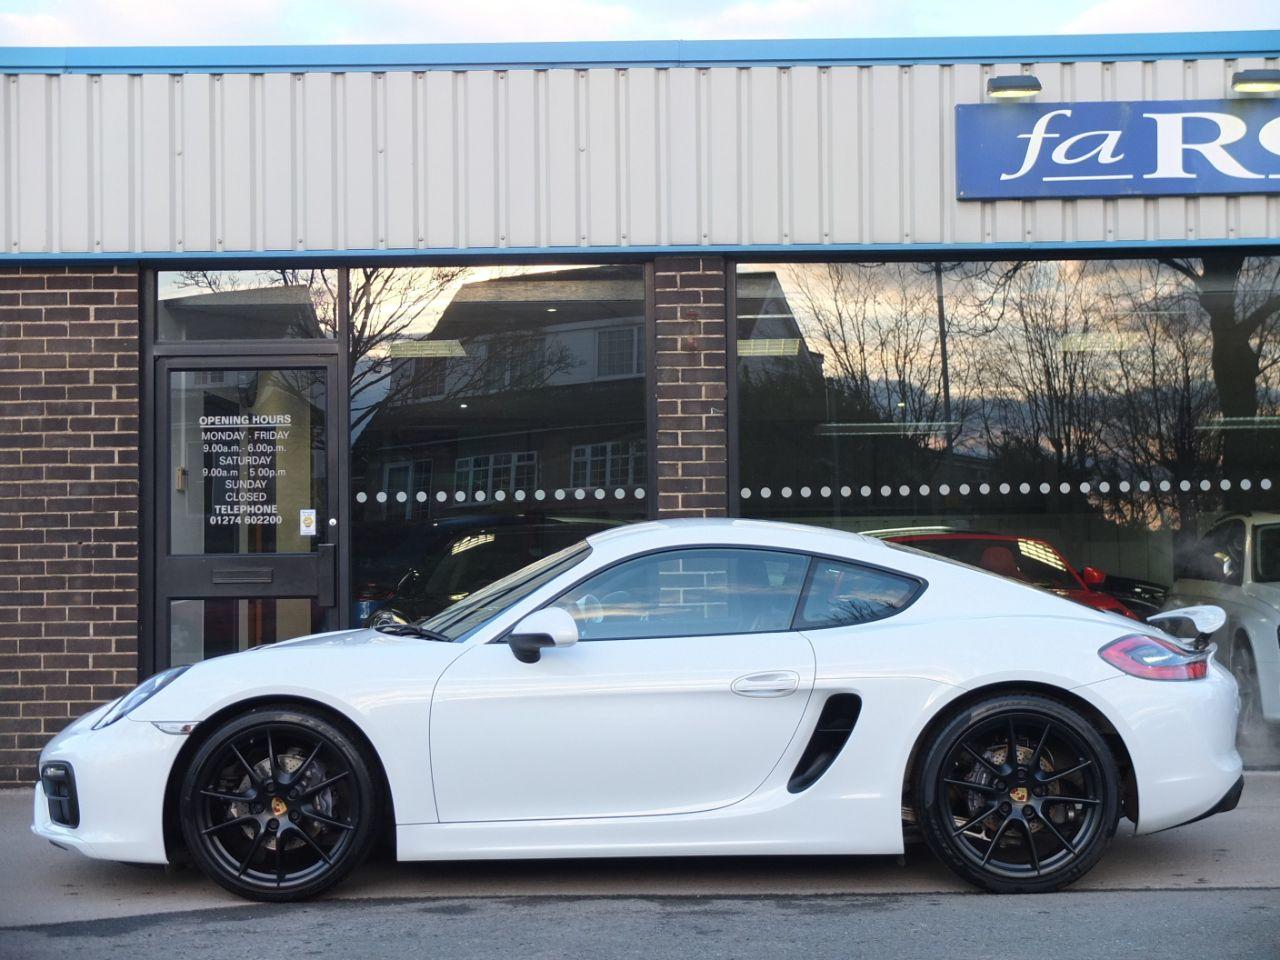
x: 278, y: 804
x: 1018, y: 794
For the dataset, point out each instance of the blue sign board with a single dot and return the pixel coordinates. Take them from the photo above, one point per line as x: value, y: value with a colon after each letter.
x: 1146, y: 148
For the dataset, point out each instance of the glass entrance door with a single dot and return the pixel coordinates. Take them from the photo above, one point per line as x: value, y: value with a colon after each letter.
x: 246, y: 504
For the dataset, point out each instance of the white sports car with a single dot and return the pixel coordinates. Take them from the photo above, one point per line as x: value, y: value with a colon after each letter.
x: 1236, y: 566
x: 670, y: 688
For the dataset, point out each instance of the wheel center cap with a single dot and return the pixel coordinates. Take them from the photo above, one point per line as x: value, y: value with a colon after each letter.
x: 1018, y: 794
x: 279, y: 808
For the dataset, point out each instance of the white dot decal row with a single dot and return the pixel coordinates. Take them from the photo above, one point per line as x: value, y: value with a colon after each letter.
x: 1002, y: 489
x: 499, y: 496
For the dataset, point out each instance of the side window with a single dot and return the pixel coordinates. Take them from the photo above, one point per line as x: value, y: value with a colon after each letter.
x: 1219, y: 556
x: 689, y: 593
x: 843, y: 594
x: 1266, y: 553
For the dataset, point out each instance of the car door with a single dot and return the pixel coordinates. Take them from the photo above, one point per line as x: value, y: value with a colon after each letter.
x: 684, y: 690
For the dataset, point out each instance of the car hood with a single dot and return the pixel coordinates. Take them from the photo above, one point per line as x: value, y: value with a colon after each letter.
x: 359, y: 637
x: 349, y: 670
x: 1268, y: 593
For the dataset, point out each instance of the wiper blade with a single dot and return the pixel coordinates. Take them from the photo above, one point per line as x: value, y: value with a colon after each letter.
x: 412, y: 630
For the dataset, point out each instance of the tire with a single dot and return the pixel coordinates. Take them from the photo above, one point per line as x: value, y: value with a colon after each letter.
x: 1254, y: 732
x: 279, y: 805
x: 1032, y: 838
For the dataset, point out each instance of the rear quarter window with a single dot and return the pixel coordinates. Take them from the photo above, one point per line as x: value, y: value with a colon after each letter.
x: 841, y: 594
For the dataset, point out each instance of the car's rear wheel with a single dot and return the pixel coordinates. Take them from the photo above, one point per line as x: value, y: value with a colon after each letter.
x: 1018, y: 794
x: 278, y: 804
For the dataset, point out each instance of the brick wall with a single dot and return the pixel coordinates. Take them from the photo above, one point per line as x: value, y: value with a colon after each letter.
x: 690, y: 368
x: 68, y: 501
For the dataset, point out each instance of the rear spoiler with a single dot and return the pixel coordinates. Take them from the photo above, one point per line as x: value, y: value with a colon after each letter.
x: 1206, y: 620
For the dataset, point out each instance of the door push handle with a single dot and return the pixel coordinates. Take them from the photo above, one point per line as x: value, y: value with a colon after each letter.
x: 774, y: 683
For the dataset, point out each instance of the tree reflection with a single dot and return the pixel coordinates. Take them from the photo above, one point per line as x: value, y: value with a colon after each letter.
x: 1059, y: 372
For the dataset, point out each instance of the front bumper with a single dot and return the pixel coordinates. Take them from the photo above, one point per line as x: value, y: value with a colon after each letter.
x: 120, y: 776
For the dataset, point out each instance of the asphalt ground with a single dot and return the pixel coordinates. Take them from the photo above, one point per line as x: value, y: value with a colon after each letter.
x: 1210, y: 889
x: 1199, y: 924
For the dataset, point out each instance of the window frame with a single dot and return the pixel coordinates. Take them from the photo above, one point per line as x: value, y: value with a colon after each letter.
x: 635, y: 333
x: 635, y: 454
x: 811, y: 558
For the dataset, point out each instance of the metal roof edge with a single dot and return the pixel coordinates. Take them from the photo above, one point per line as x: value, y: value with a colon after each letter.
x: 570, y: 54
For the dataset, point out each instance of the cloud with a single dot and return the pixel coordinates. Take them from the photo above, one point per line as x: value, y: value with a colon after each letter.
x: 764, y: 19
x: 133, y: 22
x: 99, y: 22
x: 1140, y: 16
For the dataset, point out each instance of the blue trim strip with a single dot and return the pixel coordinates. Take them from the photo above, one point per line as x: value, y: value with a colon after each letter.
x: 378, y: 57
x: 613, y: 253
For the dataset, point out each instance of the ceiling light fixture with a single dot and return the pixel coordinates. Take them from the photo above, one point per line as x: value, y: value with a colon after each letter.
x: 1013, y: 87
x: 1256, y: 81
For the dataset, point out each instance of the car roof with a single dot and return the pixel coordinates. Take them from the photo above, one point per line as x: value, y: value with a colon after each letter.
x: 720, y: 531
x: 965, y: 535
x: 1251, y: 517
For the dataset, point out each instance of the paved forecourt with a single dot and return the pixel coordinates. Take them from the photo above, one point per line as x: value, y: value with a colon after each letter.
x: 40, y: 884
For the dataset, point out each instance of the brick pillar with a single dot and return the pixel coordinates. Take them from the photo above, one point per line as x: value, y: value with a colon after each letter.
x: 690, y: 377
x: 68, y: 501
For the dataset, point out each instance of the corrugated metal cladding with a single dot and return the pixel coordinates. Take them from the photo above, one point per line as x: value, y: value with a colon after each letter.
x: 606, y: 157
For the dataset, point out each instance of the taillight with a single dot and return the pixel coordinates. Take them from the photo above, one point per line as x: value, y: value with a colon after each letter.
x: 1154, y: 659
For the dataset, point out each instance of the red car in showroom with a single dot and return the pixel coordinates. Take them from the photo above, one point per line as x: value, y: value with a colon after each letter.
x: 1027, y: 559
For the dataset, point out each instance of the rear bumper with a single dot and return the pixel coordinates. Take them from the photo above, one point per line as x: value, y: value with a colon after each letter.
x: 1230, y: 800
x: 1181, y: 739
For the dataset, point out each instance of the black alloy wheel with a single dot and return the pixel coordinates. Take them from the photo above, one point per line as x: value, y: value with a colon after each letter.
x: 278, y: 805
x: 1018, y: 794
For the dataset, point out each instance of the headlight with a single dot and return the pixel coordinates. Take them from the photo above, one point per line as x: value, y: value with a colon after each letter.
x: 140, y: 695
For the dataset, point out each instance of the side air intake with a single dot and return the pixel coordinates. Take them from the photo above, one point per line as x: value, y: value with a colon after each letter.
x: 835, y: 723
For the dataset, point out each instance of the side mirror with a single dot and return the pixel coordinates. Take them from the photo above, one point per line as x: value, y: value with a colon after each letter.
x: 549, y: 627
x: 1205, y: 620
x: 1093, y: 577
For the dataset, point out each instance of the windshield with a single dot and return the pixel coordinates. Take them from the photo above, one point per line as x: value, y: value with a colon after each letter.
x: 1266, y: 563
x: 1024, y: 559
x: 459, y: 620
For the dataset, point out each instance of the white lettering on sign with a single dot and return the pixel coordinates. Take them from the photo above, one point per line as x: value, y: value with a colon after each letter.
x: 241, y: 453
x: 1269, y: 137
x: 1171, y: 145
x: 1118, y: 148
x: 1105, y: 151
x: 1035, y: 140
x: 249, y: 420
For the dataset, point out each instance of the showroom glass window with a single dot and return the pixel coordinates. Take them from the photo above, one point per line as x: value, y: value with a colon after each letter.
x: 497, y: 416
x: 1078, y: 424
x: 246, y: 305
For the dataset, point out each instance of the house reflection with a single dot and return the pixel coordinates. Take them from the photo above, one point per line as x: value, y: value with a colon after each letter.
x: 514, y: 426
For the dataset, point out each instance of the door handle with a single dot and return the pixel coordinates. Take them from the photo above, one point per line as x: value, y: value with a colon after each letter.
x: 774, y: 683
x: 242, y: 575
